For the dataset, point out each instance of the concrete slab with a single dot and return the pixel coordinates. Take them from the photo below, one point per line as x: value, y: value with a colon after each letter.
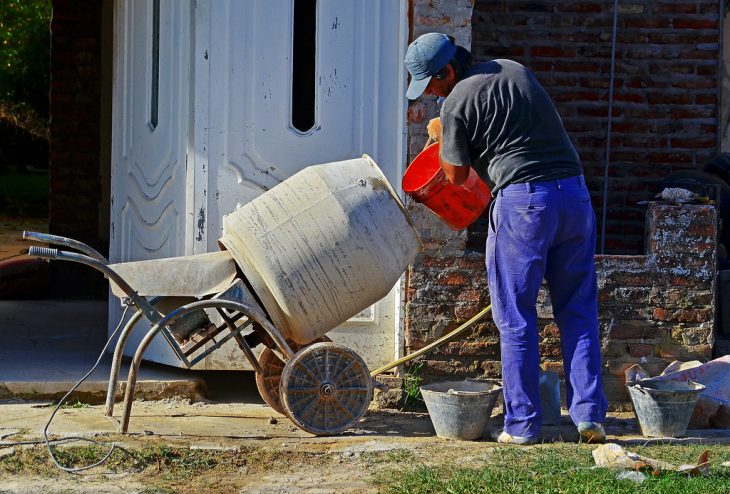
x: 221, y: 425
x: 46, y: 346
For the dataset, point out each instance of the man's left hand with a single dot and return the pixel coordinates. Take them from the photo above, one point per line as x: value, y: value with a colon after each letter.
x: 434, y: 129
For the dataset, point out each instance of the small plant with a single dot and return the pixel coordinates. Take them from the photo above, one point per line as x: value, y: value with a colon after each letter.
x: 412, y: 384
x: 78, y: 404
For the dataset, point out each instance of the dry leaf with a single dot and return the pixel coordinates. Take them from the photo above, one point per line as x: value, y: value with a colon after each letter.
x: 611, y: 455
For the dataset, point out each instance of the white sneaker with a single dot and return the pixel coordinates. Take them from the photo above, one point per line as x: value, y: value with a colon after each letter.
x: 592, y: 432
x: 506, y: 438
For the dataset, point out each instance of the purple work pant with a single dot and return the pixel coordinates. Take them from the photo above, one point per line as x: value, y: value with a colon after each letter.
x: 545, y: 230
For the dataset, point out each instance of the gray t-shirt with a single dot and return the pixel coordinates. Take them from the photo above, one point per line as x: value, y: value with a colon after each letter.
x: 499, y: 120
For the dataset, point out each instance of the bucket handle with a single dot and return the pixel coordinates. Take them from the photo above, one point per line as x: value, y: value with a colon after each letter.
x: 637, y: 386
x: 465, y: 393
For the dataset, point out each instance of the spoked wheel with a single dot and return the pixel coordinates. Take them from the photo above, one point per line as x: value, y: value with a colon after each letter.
x: 268, y: 381
x: 326, y: 389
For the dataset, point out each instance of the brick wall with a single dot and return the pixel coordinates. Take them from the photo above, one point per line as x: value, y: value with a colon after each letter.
x: 75, y: 188
x: 665, y: 104
x: 653, y: 308
x: 658, y: 307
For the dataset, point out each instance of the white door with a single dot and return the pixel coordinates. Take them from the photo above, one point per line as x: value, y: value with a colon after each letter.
x: 150, y: 138
x: 281, y: 84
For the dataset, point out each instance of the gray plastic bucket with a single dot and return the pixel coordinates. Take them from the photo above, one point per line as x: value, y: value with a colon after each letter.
x: 663, y: 408
x: 460, y: 409
x: 550, y: 398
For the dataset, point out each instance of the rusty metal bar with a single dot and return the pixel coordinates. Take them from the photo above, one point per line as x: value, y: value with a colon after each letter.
x: 117, y: 363
x: 211, y: 349
x: 241, y: 342
x: 252, y: 312
x: 193, y: 345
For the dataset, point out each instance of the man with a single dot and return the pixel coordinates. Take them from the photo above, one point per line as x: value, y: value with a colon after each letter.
x: 498, y: 119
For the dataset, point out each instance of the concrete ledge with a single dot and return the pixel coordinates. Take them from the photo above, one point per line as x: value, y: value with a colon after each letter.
x: 46, y: 346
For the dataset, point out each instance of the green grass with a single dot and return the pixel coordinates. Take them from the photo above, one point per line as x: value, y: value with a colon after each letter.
x: 557, y: 468
x: 412, y: 384
x: 488, y: 468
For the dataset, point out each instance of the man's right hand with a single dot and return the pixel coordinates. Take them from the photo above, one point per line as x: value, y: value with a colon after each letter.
x: 434, y: 129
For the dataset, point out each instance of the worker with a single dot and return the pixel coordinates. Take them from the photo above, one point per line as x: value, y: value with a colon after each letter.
x: 498, y: 119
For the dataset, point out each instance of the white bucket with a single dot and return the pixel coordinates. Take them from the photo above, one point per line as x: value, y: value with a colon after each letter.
x: 323, y: 245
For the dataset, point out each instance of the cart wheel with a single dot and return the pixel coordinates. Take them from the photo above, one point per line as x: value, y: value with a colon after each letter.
x: 268, y: 381
x: 326, y: 389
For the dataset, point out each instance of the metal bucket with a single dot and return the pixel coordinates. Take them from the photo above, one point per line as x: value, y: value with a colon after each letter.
x: 323, y: 245
x: 460, y: 409
x: 663, y: 408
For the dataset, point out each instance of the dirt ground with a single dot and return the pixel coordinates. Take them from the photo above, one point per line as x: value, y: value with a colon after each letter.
x: 272, y: 455
x: 242, y: 447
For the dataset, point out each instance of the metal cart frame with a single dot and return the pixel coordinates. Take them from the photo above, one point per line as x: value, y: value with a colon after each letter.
x: 322, y: 387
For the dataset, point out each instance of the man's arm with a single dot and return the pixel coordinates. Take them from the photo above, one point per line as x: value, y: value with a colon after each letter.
x: 457, y: 175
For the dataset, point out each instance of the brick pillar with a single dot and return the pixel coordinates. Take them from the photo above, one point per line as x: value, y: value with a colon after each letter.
x: 75, y: 188
x: 447, y: 284
x: 660, y: 307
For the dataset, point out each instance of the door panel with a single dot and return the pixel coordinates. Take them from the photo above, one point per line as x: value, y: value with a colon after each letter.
x: 150, y: 138
x: 358, y: 109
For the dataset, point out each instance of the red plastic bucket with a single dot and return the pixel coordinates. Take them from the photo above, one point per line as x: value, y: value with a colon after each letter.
x: 457, y: 205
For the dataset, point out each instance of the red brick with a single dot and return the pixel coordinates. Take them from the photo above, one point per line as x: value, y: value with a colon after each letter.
x: 469, y: 296
x: 438, y: 262
x: 635, y: 330
x: 689, y: 23
x: 695, y: 83
x: 693, y: 112
x: 551, y: 331
x: 577, y: 96
x: 640, y: 349
x: 682, y: 315
x: 455, y: 279
x: 475, y: 262
x: 709, y: 69
x: 692, y: 143
x: 646, y: 23
x: 698, y: 54
x: 665, y: 98
x: 676, y: 8
x: 552, y: 51
x: 617, y: 367
x: 582, y: 7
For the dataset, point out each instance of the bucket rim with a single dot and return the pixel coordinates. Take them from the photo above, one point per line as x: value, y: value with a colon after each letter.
x: 688, y: 387
x: 435, y: 180
x: 445, y: 387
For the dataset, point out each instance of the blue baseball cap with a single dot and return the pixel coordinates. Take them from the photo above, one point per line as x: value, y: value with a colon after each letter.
x: 425, y: 57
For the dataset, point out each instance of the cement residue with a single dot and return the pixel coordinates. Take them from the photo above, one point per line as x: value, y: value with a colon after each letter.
x: 344, y: 480
x: 70, y: 484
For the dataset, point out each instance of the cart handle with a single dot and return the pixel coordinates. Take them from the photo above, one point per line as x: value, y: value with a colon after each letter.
x: 66, y: 242
x: 136, y: 300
